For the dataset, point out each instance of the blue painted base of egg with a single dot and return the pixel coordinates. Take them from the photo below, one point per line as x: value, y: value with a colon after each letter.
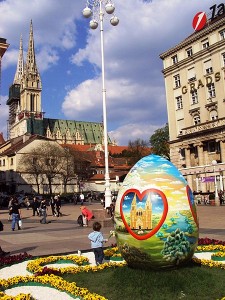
x: 156, y: 221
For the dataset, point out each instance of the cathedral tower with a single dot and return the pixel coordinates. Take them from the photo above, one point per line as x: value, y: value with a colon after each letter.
x: 14, y: 90
x: 25, y: 93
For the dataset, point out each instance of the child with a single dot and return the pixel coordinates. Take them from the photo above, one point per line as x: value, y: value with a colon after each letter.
x: 97, y: 241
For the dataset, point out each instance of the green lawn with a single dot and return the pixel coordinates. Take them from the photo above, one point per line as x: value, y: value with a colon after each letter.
x: 190, y: 282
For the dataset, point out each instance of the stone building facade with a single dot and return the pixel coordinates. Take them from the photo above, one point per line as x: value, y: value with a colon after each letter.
x: 194, y: 73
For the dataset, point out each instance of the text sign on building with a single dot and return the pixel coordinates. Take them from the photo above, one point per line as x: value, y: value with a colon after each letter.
x: 200, y: 19
x: 208, y: 179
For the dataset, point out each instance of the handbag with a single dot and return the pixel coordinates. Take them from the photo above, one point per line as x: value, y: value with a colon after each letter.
x: 20, y: 223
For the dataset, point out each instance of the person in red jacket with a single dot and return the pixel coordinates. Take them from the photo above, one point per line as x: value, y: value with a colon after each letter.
x: 86, y: 214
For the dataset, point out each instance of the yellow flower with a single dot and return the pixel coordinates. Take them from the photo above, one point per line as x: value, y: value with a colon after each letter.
x: 56, y: 281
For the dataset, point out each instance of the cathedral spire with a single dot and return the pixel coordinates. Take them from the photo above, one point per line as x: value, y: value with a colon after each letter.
x: 20, y: 64
x: 31, y: 66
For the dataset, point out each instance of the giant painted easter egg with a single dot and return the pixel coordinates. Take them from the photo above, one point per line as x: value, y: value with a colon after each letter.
x: 155, y: 216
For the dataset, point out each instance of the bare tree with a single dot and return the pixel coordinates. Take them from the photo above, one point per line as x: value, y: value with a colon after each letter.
x: 51, y: 161
x: 30, y: 163
x: 137, y: 149
x: 48, y: 162
x: 67, y: 170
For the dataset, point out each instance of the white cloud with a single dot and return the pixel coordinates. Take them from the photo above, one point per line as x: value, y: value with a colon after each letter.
x: 135, y: 91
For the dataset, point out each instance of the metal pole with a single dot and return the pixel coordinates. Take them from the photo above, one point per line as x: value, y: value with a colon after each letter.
x: 217, y: 202
x: 108, y: 196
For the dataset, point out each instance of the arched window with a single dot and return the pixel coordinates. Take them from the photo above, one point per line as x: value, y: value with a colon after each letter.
x: 196, y: 119
x: 213, y: 115
x: 32, y: 102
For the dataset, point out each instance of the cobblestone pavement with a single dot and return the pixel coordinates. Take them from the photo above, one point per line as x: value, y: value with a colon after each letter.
x: 64, y: 235
x: 61, y: 235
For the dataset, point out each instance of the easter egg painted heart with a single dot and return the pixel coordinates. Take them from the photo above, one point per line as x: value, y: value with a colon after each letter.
x: 143, y: 213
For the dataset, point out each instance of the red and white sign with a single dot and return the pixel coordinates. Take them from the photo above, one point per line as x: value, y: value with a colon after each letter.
x: 199, y: 20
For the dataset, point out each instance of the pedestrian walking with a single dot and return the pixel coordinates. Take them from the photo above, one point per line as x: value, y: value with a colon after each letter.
x: 27, y: 202
x: 43, y: 208
x: 9, y: 206
x: 35, y: 205
x: 58, y: 206
x: 75, y: 198
x: 82, y: 198
x: 53, y: 205
x: 97, y: 241
x: 16, y: 214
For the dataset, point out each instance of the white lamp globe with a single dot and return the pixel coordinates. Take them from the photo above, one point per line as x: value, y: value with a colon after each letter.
x: 87, y: 12
x: 109, y: 8
x: 114, y: 21
x: 93, y: 24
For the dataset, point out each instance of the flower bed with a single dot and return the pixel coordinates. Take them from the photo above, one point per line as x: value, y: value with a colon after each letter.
x: 14, y: 259
x: 51, y: 277
x: 218, y: 256
x: 113, y: 254
x: 217, y: 246
x: 46, y: 276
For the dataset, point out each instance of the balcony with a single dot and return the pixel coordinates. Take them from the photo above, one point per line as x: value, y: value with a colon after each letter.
x: 209, y: 125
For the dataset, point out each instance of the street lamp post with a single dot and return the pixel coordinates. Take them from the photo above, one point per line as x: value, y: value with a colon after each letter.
x: 217, y: 202
x: 96, y: 9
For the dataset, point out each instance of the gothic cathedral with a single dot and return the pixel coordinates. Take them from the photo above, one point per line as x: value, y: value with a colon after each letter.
x: 26, y: 115
x: 141, y: 218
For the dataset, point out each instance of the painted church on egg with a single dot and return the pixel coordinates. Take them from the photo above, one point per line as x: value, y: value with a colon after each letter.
x: 141, y: 218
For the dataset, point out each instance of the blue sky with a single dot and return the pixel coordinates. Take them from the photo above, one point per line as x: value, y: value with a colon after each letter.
x: 69, y: 59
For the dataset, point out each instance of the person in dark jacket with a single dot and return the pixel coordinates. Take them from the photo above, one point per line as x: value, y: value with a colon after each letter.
x: 58, y: 206
x: 35, y: 206
x: 53, y: 204
x: 43, y: 208
x: 16, y: 214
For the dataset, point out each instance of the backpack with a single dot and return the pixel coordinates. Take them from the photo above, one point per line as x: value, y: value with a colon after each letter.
x: 80, y: 220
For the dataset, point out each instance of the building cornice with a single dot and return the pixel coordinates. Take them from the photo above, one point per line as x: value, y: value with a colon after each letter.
x: 194, y: 58
x: 193, y: 37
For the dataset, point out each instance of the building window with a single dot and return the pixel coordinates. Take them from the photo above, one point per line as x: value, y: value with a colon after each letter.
x: 189, y: 52
x: 32, y: 102
x: 209, y: 70
x: 191, y: 74
x: 174, y: 59
x: 34, y: 160
x: 205, y: 44
x: 3, y: 163
x: 212, y: 146
x: 223, y: 59
x: 11, y: 161
x: 177, y: 81
x: 222, y: 34
x: 179, y: 102
x: 196, y: 119
x: 0, y: 163
x: 208, y: 66
x: 213, y: 115
x: 194, y: 97
x: 211, y: 90
x: 182, y: 153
